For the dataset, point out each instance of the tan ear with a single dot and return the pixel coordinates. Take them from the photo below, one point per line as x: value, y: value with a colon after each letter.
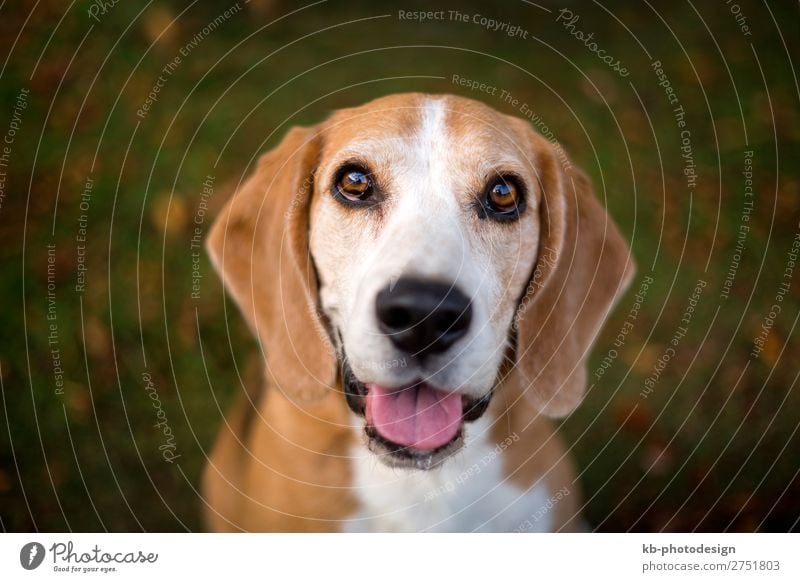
x: 259, y: 245
x: 583, y: 266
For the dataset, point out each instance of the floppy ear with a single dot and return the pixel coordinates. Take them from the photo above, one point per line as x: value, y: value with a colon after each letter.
x: 259, y: 245
x: 583, y: 266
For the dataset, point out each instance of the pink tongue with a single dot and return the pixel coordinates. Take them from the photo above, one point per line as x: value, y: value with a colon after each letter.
x: 419, y: 417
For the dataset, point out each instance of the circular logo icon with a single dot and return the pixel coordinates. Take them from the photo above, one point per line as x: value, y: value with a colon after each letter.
x: 31, y: 555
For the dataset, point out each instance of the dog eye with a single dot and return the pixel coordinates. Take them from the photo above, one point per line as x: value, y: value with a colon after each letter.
x: 354, y: 184
x: 503, y: 198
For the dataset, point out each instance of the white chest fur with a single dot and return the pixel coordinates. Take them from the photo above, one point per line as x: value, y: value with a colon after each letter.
x: 469, y: 492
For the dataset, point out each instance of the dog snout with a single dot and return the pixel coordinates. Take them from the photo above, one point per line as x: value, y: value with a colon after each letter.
x: 423, y: 317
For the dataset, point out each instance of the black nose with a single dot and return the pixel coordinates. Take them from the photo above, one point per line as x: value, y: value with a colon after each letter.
x: 423, y: 317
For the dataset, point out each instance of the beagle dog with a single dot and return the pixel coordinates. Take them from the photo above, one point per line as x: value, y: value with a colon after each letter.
x: 425, y: 277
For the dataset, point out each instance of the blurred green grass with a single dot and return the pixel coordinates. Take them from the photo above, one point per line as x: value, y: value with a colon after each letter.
x: 714, y: 447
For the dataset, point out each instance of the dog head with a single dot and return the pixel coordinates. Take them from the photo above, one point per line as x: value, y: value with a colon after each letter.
x: 427, y: 250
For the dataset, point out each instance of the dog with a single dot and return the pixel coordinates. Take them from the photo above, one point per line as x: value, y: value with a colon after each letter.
x: 425, y: 277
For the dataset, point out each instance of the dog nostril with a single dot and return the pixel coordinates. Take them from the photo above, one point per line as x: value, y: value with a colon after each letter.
x: 396, y: 318
x: 449, y: 321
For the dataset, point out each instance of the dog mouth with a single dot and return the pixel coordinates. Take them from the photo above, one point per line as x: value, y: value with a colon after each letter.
x: 417, y: 425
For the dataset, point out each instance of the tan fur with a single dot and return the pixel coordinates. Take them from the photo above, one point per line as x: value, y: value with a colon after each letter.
x: 259, y: 244
x: 284, y: 465
x: 584, y: 266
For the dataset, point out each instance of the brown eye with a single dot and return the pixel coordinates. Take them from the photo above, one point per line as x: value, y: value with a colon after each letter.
x: 354, y: 185
x: 503, y: 196
x: 503, y: 199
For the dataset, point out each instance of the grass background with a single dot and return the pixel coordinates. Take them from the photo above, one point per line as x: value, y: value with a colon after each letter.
x: 714, y: 447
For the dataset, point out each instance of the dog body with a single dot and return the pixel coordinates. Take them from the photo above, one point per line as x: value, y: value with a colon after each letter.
x: 426, y: 279
x: 280, y: 467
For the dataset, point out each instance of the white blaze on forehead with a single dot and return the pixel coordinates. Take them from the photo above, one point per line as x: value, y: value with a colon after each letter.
x: 433, y: 136
x: 424, y: 233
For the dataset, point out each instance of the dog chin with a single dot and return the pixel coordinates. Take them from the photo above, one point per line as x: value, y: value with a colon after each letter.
x: 416, y: 426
